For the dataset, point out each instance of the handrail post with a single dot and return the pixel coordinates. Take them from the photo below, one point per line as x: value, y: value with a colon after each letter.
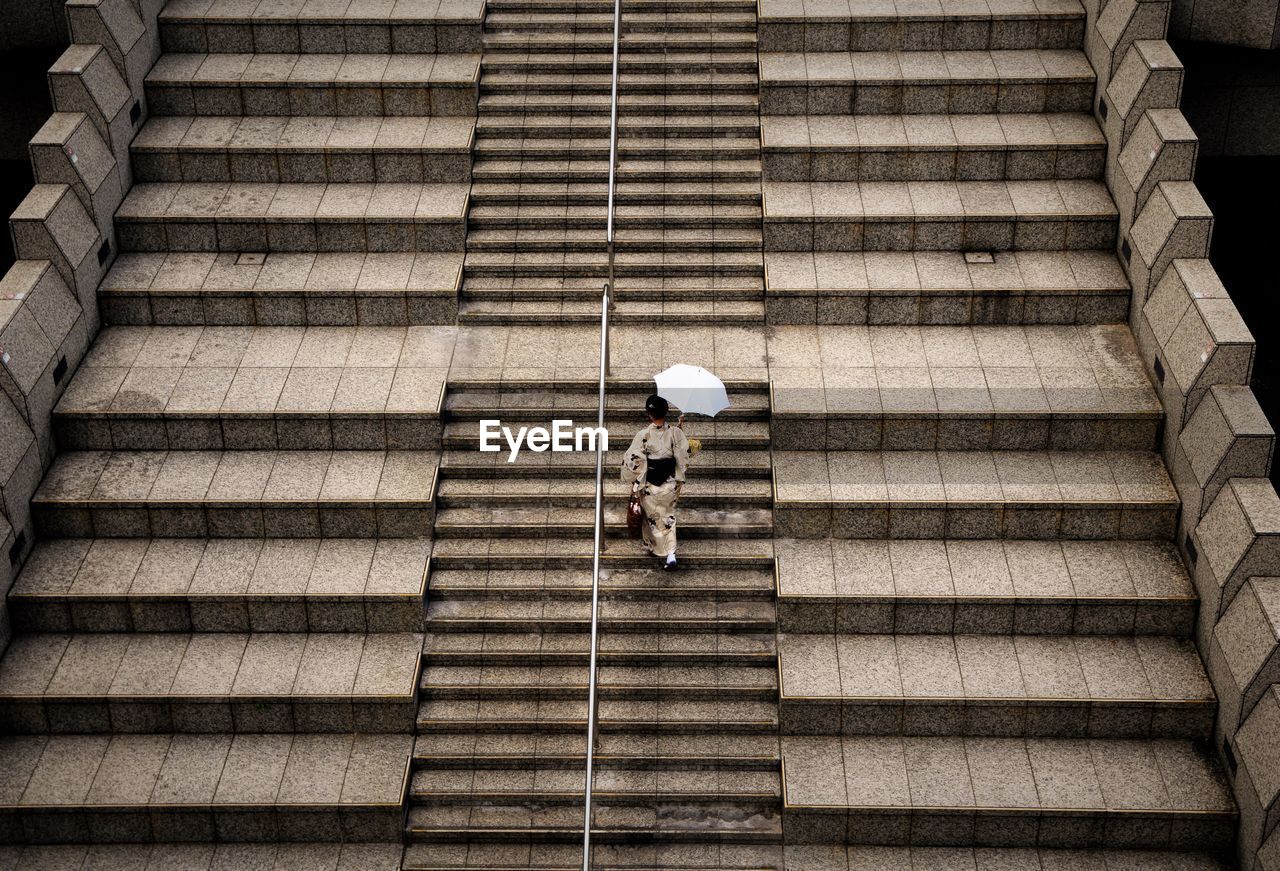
x: 606, y: 304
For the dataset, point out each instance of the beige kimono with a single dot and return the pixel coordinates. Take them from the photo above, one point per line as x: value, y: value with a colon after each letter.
x: 657, y: 500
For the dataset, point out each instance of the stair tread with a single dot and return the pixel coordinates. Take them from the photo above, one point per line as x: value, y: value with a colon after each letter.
x: 940, y: 200
x: 923, y: 132
x: 200, y: 70
x: 923, y: 67
x: 333, y: 202
x: 328, y: 134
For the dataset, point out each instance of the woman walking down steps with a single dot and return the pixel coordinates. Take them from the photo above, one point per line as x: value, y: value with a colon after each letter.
x: 655, y: 465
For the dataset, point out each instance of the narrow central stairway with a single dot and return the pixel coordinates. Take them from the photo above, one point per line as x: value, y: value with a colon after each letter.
x: 687, y: 772
x: 688, y: 191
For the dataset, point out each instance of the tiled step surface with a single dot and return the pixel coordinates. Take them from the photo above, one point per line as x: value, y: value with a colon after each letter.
x: 405, y: 28
x: 568, y: 857
x: 890, y: 26
x: 988, y: 685
x: 974, y: 494
x: 840, y: 858
x: 945, y: 288
x: 983, y: 586
x: 264, y: 217
x: 558, y: 311
x: 182, y: 788
x: 222, y: 585
x: 291, y: 84
x: 216, y: 683
x: 208, y: 857
x: 237, y: 494
x: 282, y: 289
x: 310, y: 149
x: 1008, y: 147
x: 1004, y: 792
x: 938, y: 216
x: 925, y: 82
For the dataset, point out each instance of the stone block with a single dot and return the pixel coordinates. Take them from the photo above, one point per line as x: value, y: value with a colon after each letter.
x: 1117, y: 27
x: 1244, y: 652
x: 20, y: 469
x: 1175, y: 222
x: 1191, y: 337
x: 1257, y: 776
x: 1267, y: 857
x: 69, y: 150
x: 1228, y: 436
x: 52, y: 224
x: 117, y: 26
x: 1237, y: 538
x: 84, y: 79
x: 1162, y: 148
x: 1148, y: 77
x: 43, y: 337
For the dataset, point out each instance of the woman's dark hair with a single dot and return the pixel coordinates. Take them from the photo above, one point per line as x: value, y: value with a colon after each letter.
x: 656, y: 406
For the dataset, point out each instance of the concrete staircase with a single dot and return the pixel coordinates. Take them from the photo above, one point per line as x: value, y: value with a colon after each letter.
x: 688, y: 195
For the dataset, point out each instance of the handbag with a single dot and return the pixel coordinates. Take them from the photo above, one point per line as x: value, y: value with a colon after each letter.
x: 635, y: 514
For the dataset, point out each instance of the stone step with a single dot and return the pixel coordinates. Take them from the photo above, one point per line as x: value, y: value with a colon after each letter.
x: 946, y: 288
x: 524, y: 751
x: 252, y: 217
x: 671, y: 643
x: 622, y: 786
x: 638, y: 84
x: 541, y: 62
x: 649, y: 265
x: 581, y: 289
x: 925, y: 82
x: 636, y: 128
x: 654, y: 716
x: 668, y: 147
x: 985, y: 685
x: 649, y: 172
x: 725, y: 825
x: 469, y: 400
x: 751, y: 434
x: 695, y: 233
x: 711, y: 463
x: 983, y: 587
x: 998, y: 26
x: 1054, y: 792
x: 496, y: 494
x: 631, y: 43
x: 237, y: 494
x: 178, y: 788
x: 619, y: 580
x: 216, y: 683
x: 578, y: 7
x: 550, y: 312
x: 1090, y: 495
x: 665, y: 21
x: 210, y: 856
x: 714, y: 556
x: 222, y: 585
x: 1008, y: 147
x: 586, y: 104
x: 312, y: 149
x: 938, y: 216
x: 997, y: 857
x: 572, y: 613
x: 539, y: 522
x: 635, y: 682
x: 409, y: 29
x: 291, y: 84
x: 300, y: 289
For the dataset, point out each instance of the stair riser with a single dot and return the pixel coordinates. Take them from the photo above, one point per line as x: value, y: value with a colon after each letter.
x: 622, y: 270
x: 958, y: 308
x: 494, y: 86
x: 586, y: 500
x: 550, y: 63
x: 554, y: 799
x: 930, y: 98
x: 944, y: 827
x: 566, y: 319
x: 551, y: 624
x: 604, y: 724
x: 156, y: 431
x: 271, y: 98
x: 430, y: 693
x: 941, y: 164
x: 988, y: 718
x: 623, y: 295
x: 1174, y: 617
x: 1037, y: 521
x: 967, y: 431
x: 636, y: 130
x: 275, y: 308
x: 327, y: 166
x: 195, y: 520
x: 126, y: 613
x: 106, y: 716
x: 319, y: 36
x: 604, y: 761
x: 388, y: 235
x: 910, y: 233
x: 568, y: 835
x: 967, y: 33
x: 528, y: 174
x: 584, y: 530
x: 630, y: 104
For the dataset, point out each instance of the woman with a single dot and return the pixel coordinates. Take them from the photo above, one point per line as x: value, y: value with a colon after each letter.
x: 655, y: 464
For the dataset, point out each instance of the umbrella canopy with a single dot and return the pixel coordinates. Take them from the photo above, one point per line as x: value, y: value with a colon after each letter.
x: 692, y: 389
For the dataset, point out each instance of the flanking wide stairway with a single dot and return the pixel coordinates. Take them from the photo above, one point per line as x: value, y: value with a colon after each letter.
x: 283, y: 613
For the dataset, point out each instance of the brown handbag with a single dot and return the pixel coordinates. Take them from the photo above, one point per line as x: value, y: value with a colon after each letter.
x: 635, y: 514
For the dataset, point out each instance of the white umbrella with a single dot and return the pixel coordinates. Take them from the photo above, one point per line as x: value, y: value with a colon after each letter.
x: 692, y: 389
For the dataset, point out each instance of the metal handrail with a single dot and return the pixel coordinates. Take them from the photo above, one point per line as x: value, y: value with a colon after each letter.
x: 606, y: 303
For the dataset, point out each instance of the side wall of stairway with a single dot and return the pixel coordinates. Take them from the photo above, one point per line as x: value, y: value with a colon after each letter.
x: 1217, y: 443
x: 64, y: 240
